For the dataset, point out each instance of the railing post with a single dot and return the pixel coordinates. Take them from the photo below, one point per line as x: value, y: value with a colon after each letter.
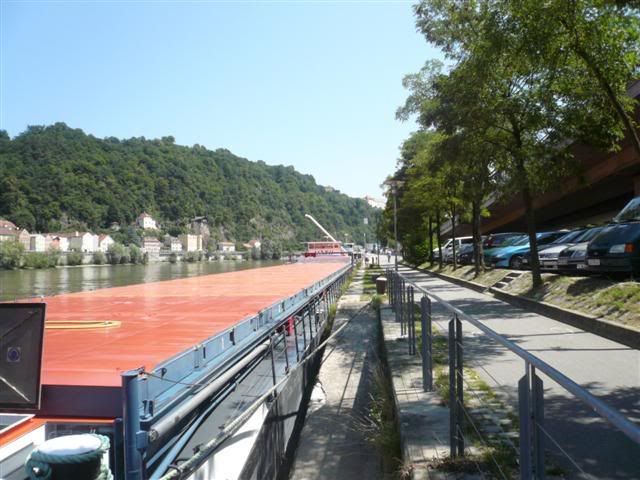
x: 537, y: 397
x: 402, y: 306
x: 295, y: 336
x: 452, y: 389
x: 135, y: 440
x: 310, y: 325
x: 286, y: 352
x: 304, y: 332
x: 425, y: 322
x: 459, y: 387
x: 410, y: 321
x: 531, y: 413
x: 273, y: 360
x: 524, y: 415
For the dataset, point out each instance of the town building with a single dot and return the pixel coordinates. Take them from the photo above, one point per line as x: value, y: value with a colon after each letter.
x: 226, y: 247
x: 104, y: 242
x: 25, y: 239
x: 4, y: 223
x: 174, y: 244
x: 190, y: 242
x: 251, y: 244
x: 57, y: 241
x: 151, y: 246
x: 375, y: 202
x: 146, y: 222
x: 82, y: 241
x: 8, y: 234
x: 37, y: 243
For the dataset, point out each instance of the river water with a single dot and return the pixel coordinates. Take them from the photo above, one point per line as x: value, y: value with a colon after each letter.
x: 16, y: 284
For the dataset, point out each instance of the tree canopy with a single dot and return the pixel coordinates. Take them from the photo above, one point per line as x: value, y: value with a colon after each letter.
x: 57, y: 177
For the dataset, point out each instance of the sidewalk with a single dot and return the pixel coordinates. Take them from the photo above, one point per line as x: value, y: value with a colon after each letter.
x: 332, y: 442
x: 609, y: 370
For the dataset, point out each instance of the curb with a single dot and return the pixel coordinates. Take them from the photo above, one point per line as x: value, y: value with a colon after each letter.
x: 618, y: 333
x: 609, y: 330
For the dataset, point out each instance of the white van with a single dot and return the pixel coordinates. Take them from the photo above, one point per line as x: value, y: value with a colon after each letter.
x: 447, y: 248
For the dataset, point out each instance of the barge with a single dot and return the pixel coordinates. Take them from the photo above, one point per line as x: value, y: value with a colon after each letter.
x: 188, y: 378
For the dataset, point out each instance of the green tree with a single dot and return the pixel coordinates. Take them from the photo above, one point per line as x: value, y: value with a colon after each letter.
x: 511, y: 95
x: 11, y: 254
x: 115, y: 253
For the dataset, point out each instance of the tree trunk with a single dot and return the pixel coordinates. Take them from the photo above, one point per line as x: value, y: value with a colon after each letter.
x: 477, y: 240
x: 533, y: 240
x: 439, y: 238
x: 431, y: 240
x: 453, y: 236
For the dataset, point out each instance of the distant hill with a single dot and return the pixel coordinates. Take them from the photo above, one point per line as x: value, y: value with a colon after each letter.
x: 57, y: 177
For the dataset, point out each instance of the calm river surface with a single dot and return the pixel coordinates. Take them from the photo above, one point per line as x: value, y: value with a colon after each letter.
x: 15, y: 284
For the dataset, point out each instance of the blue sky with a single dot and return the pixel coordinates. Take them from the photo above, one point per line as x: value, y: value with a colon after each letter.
x: 309, y: 84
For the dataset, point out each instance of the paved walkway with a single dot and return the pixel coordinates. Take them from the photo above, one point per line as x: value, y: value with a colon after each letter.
x: 333, y: 445
x: 607, y: 369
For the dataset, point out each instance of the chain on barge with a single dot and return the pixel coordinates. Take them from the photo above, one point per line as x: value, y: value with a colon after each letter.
x: 192, y: 378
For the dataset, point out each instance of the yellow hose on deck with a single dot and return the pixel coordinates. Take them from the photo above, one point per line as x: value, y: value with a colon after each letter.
x: 80, y: 324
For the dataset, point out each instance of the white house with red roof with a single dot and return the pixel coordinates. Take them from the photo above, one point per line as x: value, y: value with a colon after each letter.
x: 146, y: 222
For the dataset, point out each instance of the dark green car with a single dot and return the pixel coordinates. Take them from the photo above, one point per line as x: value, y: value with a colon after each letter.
x: 617, y: 247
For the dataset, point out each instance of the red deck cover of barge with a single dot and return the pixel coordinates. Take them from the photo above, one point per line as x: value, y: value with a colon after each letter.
x: 159, y: 320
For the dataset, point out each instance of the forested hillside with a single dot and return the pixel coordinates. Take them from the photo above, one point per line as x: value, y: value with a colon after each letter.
x: 56, y: 177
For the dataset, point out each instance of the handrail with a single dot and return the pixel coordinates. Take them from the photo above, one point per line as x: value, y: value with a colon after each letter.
x: 626, y: 426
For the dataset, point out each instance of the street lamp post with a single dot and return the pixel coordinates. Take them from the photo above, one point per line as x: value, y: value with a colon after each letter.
x: 394, y: 192
x: 395, y: 184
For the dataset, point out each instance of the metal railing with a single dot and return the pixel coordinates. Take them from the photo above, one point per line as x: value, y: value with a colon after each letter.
x: 530, y: 400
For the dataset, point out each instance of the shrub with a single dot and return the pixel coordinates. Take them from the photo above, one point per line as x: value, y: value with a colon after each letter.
x: 99, y: 258
x: 135, y: 254
x: 173, y: 258
x: 74, y: 258
x: 36, y: 260
x: 11, y: 254
x: 126, y: 256
x: 54, y: 256
x: 192, y: 257
x: 115, y: 253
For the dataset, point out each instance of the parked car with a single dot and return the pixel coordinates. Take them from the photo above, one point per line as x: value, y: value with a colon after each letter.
x: 512, y: 256
x: 447, y: 248
x: 498, y: 240
x: 617, y: 247
x: 460, y: 242
x: 505, y: 242
x: 465, y: 255
x: 548, y: 254
x: 572, y: 258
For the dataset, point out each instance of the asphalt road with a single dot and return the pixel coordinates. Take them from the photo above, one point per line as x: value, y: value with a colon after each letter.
x: 592, y: 448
